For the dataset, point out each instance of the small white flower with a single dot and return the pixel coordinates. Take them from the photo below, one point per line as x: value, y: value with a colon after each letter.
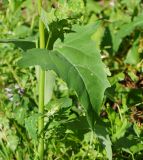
x: 8, y: 89
x: 16, y: 86
x: 112, y: 3
x: 11, y: 99
x: 9, y: 95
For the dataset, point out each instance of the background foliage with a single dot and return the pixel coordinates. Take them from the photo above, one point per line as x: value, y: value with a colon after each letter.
x: 119, y: 39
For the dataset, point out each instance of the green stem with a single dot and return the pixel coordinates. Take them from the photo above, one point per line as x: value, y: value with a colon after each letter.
x: 41, y: 90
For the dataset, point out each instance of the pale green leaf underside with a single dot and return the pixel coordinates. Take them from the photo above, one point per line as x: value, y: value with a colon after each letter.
x: 78, y: 63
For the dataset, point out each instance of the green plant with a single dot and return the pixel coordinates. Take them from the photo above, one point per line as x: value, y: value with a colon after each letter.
x: 72, y: 80
x: 72, y: 65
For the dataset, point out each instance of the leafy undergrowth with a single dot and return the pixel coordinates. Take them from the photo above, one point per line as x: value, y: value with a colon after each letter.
x: 67, y: 133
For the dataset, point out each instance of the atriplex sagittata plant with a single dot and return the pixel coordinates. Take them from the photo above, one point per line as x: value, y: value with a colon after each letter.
x: 75, y: 59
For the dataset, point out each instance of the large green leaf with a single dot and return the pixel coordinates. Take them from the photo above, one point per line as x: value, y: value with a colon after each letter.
x: 78, y: 63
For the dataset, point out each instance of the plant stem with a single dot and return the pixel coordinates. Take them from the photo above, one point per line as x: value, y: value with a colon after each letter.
x: 41, y: 90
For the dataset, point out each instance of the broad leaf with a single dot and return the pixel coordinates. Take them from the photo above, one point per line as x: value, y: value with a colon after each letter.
x: 117, y: 31
x: 44, y: 18
x: 78, y: 63
x: 59, y: 103
x: 133, y: 56
x: 50, y: 78
x: 49, y: 86
x: 125, y: 30
x: 21, y: 43
x: 30, y: 124
x: 103, y: 136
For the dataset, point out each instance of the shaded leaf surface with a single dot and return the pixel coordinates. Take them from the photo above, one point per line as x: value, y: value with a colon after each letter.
x: 21, y: 43
x: 117, y: 31
x: 125, y: 30
x: 103, y: 136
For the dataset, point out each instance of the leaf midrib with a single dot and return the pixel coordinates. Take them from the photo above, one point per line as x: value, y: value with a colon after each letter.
x: 80, y: 74
x: 101, y: 79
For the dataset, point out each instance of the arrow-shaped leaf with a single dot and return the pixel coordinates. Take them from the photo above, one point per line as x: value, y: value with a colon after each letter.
x: 78, y: 63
